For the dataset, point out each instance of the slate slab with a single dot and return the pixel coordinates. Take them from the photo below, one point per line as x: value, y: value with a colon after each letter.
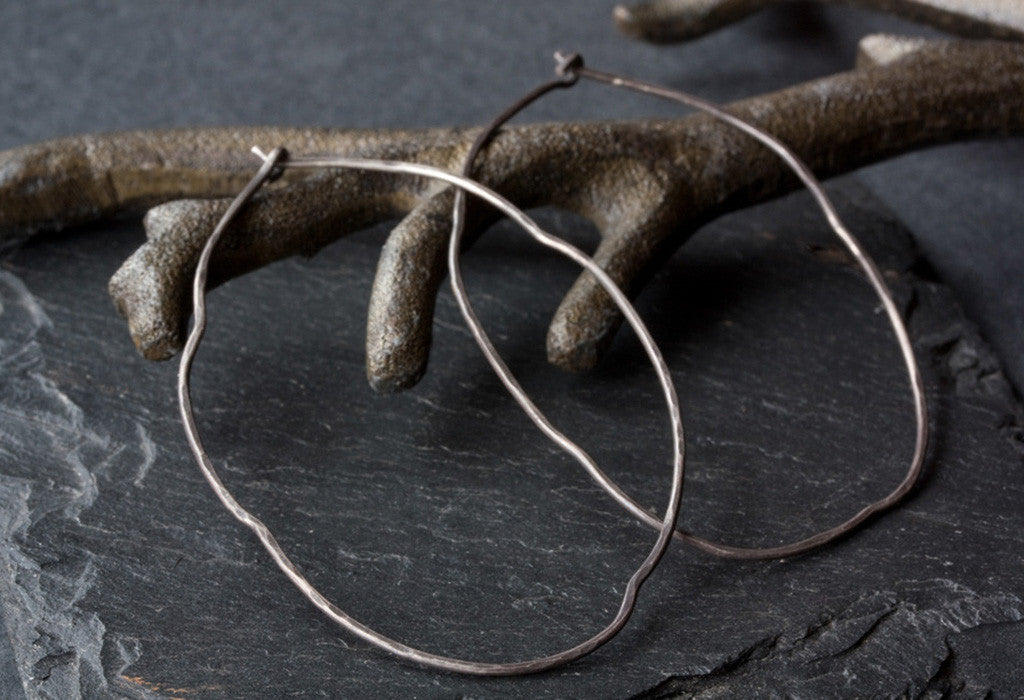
x: 440, y: 517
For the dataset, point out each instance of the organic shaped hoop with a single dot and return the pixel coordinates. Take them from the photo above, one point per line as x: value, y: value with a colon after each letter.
x: 272, y: 163
x: 570, y: 67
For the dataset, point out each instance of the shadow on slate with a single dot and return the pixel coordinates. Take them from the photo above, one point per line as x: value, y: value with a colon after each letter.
x: 438, y: 516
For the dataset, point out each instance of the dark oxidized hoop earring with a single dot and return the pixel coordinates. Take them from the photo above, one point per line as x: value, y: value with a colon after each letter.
x: 571, y: 68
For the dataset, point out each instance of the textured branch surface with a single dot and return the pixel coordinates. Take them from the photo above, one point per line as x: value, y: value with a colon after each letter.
x: 645, y: 184
x: 669, y: 21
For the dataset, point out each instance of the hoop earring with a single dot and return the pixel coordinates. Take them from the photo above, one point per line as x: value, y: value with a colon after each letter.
x: 272, y: 165
x: 571, y: 68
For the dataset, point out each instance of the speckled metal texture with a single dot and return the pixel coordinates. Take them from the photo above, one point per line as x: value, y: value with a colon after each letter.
x: 669, y: 21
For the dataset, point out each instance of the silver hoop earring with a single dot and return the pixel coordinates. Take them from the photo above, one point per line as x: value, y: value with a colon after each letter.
x: 272, y: 164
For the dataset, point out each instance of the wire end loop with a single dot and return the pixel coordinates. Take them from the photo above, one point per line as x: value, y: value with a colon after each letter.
x: 568, y: 64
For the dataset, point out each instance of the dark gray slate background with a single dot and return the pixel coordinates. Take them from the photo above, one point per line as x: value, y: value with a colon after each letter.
x: 437, y: 515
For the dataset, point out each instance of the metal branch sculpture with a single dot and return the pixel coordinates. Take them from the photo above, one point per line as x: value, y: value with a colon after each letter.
x: 670, y: 21
x: 647, y: 185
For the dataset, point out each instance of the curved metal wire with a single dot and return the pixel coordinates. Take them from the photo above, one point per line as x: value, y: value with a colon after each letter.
x: 278, y: 159
x: 571, y: 68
